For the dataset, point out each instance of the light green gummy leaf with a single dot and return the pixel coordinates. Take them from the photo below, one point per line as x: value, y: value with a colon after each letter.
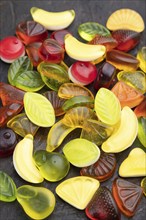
x: 39, y: 109
x: 20, y: 65
x: 142, y: 130
x: 81, y: 152
x: 88, y: 30
x: 7, y: 188
x: 107, y: 107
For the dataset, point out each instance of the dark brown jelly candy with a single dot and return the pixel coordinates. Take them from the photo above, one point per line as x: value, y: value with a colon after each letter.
x: 102, y: 206
x: 127, y: 39
x: 103, y: 169
x: 105, y: 75
x: 127, y: 196
x: 8, y: 141
x: 31, y: 31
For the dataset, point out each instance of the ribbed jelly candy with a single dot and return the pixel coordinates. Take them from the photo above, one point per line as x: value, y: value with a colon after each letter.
x: 127, y: 196
x: 32, y: 52
x: 141, y: 56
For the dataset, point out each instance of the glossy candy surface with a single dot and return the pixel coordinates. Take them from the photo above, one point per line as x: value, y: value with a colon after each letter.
x: 103, y: 169
x: 140, y: 110
x: 11, y: 48
x: 52, y: 166
x: 8, y: 141
x: 143, y: 185
x: 141, y: 56
x: 37, y: 202
x: 126, y: 39
x: 31, y: 31
x: 127, y: 196
x: 122, y: 60
x: 59, y: 36
x: 105, y: 75
x: 102, y: 206
x: 32, y: 52
x: 142, y: 130
x: 51, y: 51
x: 82, y: 73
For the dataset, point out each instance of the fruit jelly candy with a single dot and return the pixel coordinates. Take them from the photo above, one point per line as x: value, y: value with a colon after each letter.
x: 143, y: 185
x: 51, y: 51
x: 103, y: 169
x: 59, y: 36
x: 108, y: 41
x: 126, y: 39
x: 142, y: 130
x: 127, y: 95
x: 127, y: 196
x: 10, y: 94
x: 11, y: 48
x: 8, y: 111
x: 32, y: 52
x: 141, y: 56
x: 8, y: 141
x: 105, y: 75
x: 122, y: 60
x: 140, y: 110
x: 102, y: 206
x: 31, y: 31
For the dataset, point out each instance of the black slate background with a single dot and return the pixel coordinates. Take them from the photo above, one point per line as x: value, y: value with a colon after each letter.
x: 11, y: 13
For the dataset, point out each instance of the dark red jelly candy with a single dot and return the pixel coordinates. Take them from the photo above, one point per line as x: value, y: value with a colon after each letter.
x: 10, y: 94
x: 31, y: 31
x: 59, y: 36
x: 127, y: 39
x: 127, y: 196
x: 140, y: 110
x: 102, y: 206
x: 103, y: 169
x: 32, y: 52
x: 8, y: 141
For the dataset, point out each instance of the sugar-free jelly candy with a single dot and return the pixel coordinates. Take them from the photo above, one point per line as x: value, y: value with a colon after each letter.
x: 142, y: 130
x: 82, y: 73
x: 125, y: 19
x: 8, y: 141
x: 56, y: 101
x: 136, y: 79
x: 106, y: 100
x: 126, y: 39
x: 141, y: 56
x: 51, y: 51
x: 105, y: 75
x: 77, y: 191
x: 78, y: 101
x: 11, y: 48
x: 108, y: 41
x: 124, y: 133
x: 122, y: 60
x: 140, y: 110
x: 69, y: 90
x: 127, y: 196
x: 102, y: 206
x: 7, y: 188
x: 39, y: 109
x: 101, y: 170
x: 37, y: 202
x: 31, y: 31
x: 23, y: 161
x: 10, y: 94
x: 53, y: 166
x: 57, y: 134
x: 22, y: 125
x: 9, y: 111
x: 59, y: 36
x: 127, y: 95
x: 88, y: 30
x: 53, y: 75
x: 134, y: 165
x: 81, y: 152
x: 32, y: 52
x: 143, y: 185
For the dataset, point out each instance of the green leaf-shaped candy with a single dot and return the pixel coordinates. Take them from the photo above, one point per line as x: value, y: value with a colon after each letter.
x: 142, y: 130
x: 107, y: 107
x: 7, y: 188
x: 39, y: 109
x: 89, y: 30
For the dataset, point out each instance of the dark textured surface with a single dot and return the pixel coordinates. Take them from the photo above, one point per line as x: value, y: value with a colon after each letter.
x: 11, y: 13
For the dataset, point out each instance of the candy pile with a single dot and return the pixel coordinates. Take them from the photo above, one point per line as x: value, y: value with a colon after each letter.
x: 43, y: 92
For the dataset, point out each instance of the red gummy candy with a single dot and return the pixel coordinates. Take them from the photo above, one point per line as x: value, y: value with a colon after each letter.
x: 32, y: 52
x: 103, y: 169
x: 140, y: 110
x: 59, y: 36
x: 102, y: 206
x: 126, y: 39
x: 127, y: 196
